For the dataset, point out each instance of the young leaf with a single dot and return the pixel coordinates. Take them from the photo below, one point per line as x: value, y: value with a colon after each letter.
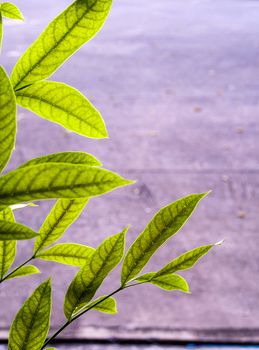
x: 64, y: 105
x: 62, y: 215
x: 86, y: 282
x: 166, y: 282
x: 67, y: 253
x: 65, y: 157
x: 24, y: 271
x: 56, y: 180
x: 185, y: 261
x: 166, y: 223
x: 64, y: 35
x: 10, y: 10
x: 7, y: 119
x: 31, y: 325
x: 22, y: 206
x: 107, y: 306
x: 7, y: 248
x: 10, y: 231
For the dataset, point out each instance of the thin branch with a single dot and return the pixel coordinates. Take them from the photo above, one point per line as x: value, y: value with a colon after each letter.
x: 16, y: 269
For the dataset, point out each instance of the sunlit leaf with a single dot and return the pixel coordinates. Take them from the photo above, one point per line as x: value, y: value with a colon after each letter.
x: 56, y: 180
x: 24, y: 271
x: 164, y: 225
x: 7, y: 119
x: 185, y: 261
x: 65, y: 157
x: 107, y: 306
x: 14, y: 231
x: 7, y: 248
x: 31, y: 325
x: 62, y: 215
x: 64, y: 105
x: 10, y: 10
x: 63, y: 36
x: 67, y: 253
x: 166, y: 282
x: 86, y: 282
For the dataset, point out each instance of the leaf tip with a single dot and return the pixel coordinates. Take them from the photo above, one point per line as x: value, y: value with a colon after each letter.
x: 219, y: 243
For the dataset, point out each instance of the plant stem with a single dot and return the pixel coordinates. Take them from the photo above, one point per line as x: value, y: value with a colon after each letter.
x: 16, y: 269
x: 84, y: 312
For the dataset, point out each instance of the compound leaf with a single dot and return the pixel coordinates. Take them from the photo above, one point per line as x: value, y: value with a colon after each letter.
x: 7, y: 119
x: 64, y: 105
x: 67, y: 253
x: 166, y: 282
x: 165, y: 224
x: 7, y: 248
x: 107, y: 306
x: 31, y: 325
x: 24, y: 271
x: 10, y: 231
x: 56, y: 180
x: 86, y: 282
x: 10, y: 10
x: 185, y: 261
x: 65, y: 157
x: 64, y: 35
x: 61, y: 216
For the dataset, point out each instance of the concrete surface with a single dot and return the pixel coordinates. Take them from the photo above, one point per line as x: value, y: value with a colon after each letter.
x: 177, y: 83
x: 135, y: 347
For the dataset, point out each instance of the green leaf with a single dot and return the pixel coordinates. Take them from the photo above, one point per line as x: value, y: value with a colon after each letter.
x: 24, y: 271
x: 65, y: 157
x: 166, y: 282
x: 64, y: 105
x: 62, y: 215
x: 166, y: 223
x: 64, y: 35
x: 53, y: 180
x: 10, y: 10
x: 67, y: 253
x: 7, y: 248
x: 107, y: 306
x: 10, y: 231
x: 31, y: 325
x: 7, y: 119
x: 86, y: 282
x: 185, y: 261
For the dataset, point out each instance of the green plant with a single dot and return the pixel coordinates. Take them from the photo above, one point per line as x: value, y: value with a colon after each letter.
x: 72, y: 178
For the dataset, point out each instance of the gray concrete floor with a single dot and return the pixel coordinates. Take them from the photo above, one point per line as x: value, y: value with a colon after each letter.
x: 177, y: 83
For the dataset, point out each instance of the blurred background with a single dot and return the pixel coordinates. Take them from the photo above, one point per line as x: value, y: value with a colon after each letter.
x: 177, y: 84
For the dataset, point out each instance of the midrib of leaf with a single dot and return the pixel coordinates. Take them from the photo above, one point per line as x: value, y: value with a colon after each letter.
x: 56, y: 188
x: 56, y: 45
x: 41, y: 99
x: 55, y: 225
x: 32, y: 321
x: 154, y: 241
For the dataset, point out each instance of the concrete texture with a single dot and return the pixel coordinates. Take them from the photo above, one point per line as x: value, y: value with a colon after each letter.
x: 176, y: 82
x: 135, y: 347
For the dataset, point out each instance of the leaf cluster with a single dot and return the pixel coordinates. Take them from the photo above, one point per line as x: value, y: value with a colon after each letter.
x: 71, y: 179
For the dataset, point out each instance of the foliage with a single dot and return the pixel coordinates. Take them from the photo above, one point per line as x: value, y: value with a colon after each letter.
x: 71, y: 178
